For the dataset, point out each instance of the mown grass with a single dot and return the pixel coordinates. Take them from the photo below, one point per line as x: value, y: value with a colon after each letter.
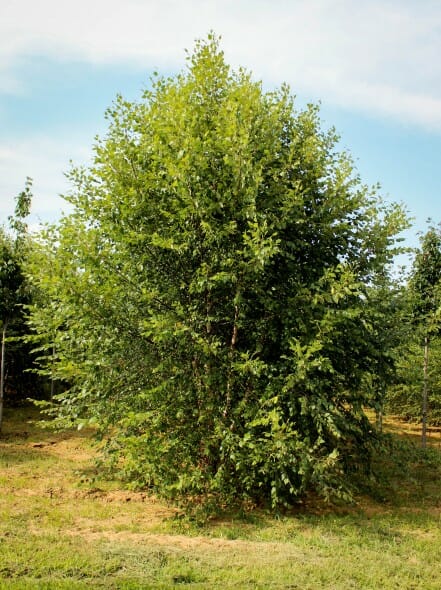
x: 61, y: 528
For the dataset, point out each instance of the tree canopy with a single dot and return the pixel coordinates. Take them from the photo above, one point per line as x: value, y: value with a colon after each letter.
x: 417, y: 394
x: 13, y: 288
x: 210, y: 296
x: 425, y: 277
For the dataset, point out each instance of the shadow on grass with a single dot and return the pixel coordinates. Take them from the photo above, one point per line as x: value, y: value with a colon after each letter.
x: 12, y: 455
x: 25, y: 439
x: 405, y: 475
x: 28, y: 423
x: 411, y: 431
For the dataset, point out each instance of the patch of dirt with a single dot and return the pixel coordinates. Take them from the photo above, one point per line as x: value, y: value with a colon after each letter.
x: 264, y: 549
x: 120, y: 496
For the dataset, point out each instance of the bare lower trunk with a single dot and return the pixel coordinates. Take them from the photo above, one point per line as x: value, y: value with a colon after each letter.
x: 52, y: 373
x: 424, y: 409
x: 232, y: 346
x: 379, y: 409
x: 379, y: 414
x: 2, y: 372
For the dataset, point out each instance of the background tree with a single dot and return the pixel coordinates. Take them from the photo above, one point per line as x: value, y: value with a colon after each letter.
x: 389, y: 313
x: 419, y: 387
x: 12, y: 280
x: 210, y: 296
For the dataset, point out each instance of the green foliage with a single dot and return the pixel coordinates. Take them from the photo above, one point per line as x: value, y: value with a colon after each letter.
x: 404, y: 397
x: 11, y: 277
x: 12, y: 254
x: 424, y: 283
x: 211, y: 298
x: 14, y: 295
x: 422, y: 300
x: 22, y: 209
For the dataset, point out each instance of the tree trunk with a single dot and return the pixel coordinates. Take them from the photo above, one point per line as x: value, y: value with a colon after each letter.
x: 379, y: 416
x: 52, y: 372
x: 2, y: 372
x: 379, y: 410
x: 424, y: 412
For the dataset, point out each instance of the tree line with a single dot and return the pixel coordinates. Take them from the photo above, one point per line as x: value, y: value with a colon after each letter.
x: 220, y: 303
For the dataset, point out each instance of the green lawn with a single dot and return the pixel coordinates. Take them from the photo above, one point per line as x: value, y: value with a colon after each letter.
x: 59, y: 528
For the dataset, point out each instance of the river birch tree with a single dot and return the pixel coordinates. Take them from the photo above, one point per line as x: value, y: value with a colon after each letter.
x: 209, y: 295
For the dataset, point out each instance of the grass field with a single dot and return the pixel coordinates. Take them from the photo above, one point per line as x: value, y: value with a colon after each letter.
x: 61, y: 528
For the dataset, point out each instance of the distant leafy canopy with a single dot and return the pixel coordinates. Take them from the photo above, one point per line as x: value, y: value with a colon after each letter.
x: 426, y: 276
x: 424, y: 302
x: 12, y: 251
x: 209, y: 295
x: 14, y: 293
x: 11, y: 278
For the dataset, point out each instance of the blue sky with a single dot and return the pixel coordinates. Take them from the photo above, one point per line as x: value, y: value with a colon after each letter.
x: 375, y: 66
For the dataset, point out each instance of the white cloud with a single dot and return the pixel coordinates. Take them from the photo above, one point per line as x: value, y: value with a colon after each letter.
x: 45, y: 160
x: 380, y: 56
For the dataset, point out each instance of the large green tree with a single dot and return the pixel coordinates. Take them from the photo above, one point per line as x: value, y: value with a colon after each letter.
x: 208, y: 299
